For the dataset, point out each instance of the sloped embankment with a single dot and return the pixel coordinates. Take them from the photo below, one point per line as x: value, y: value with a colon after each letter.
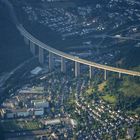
x: 12, y: 48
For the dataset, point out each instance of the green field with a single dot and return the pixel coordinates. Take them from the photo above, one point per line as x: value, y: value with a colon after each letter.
x: 130, y: 88
x: 14, y: 125
x: 109, y: 98
x: 90, y: 91
x: 38, y: 90
x: 24, y: 138
x: 102, y: 86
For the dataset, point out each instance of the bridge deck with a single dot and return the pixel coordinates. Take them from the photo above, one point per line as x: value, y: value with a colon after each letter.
x: 73, y: 58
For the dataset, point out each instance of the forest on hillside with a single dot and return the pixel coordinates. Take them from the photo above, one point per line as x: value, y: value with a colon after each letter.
x: 12, y: 48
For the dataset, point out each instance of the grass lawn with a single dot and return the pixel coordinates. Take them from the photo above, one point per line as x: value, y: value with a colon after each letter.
x: 20, y: 125
x: 109, y: 98
x: 130, y: 88
x: 90, y: 91
x: 38, y: 90
x: 24, y: 138
x: 10, y: 125
x: 102, y: 86
x: 30, y: 125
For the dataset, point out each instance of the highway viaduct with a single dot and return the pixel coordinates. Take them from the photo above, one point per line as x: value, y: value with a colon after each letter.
x: 33, y: 42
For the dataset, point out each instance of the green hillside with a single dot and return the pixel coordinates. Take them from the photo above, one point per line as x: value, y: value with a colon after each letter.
x: 12, y: 48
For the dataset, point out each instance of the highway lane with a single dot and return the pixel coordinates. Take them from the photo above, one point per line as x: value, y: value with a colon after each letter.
x: 117, y: 37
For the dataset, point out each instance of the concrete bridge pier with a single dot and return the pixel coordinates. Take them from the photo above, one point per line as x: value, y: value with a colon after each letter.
x: 27, y: 42
x: 63, y: 65
x: 77, y: 69
x: 41, y: 55
x: 90, y: 72
x: 32, y: 48
x: 51, y: 61
x: 105, y: 74
x: 120, y: 75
